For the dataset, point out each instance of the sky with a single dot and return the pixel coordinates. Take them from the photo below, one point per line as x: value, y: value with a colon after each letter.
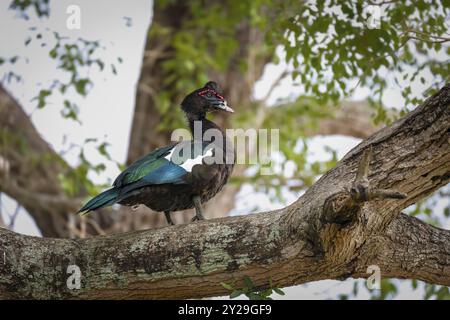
x: 107, y: 110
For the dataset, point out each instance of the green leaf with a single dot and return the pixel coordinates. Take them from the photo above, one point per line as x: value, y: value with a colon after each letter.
x: 43, y: 94
x: 253, y: 296
x: 102, y: 149
x: 266, y: 293
x: 235, y: 294
x: 70, y: 110
x: 279, y: 291
x: 355, y: 289
x: 53, y: 53
x: 227, y: 286
x: 80, y: 86
x: 248, y: 282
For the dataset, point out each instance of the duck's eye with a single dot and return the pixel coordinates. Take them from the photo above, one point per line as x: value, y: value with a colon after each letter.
x: 209, y: 94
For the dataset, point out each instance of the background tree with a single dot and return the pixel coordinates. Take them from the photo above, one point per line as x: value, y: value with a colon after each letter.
x: 329, y: 52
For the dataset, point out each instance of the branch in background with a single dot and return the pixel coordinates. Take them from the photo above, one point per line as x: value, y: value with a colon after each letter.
x: 275, y: 85
x: 353, y: 119
x: 30, y: 170
x: 289, y: 246
x: 424, y: 36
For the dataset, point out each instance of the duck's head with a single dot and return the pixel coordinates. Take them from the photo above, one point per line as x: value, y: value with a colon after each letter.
x: 206, y: 99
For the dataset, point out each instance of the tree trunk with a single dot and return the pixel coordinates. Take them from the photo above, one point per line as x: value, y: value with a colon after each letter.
x: 30, y: 173
x: 348, y: 220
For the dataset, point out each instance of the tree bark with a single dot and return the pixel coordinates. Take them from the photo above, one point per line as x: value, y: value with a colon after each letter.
x: 349, y: 219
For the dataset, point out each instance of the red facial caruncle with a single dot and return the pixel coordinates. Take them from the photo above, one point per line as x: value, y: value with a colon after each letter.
x: 209, y: 93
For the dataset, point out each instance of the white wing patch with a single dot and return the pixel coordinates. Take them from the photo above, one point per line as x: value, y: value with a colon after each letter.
x: 190, y: 163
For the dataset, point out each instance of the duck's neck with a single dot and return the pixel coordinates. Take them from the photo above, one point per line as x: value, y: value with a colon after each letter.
x: 198, y: 123
x: 216, y: 136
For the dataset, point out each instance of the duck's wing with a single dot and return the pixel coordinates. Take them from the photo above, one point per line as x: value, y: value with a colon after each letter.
x: 169, y: 164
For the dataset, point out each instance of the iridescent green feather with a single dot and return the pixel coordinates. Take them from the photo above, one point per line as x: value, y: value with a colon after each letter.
x: 143, y: 166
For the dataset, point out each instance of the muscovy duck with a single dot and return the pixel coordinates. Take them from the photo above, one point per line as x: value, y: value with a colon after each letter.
x: 182, y: 175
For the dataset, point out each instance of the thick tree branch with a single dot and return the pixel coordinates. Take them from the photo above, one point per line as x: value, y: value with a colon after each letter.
x: 410, y: 249
x: 294, y: 245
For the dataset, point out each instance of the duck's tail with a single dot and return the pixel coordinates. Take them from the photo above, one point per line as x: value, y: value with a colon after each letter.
x: 104, y: 199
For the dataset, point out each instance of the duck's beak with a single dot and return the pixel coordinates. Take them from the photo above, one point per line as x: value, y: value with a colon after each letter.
x: 222, y: 105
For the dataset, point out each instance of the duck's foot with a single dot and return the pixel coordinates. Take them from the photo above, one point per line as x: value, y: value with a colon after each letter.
x: 168, y: 218
x: 198, y: 209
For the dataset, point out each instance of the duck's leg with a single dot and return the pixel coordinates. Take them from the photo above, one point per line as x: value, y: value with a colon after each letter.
x: 198, y: 209
x: 168, y: 218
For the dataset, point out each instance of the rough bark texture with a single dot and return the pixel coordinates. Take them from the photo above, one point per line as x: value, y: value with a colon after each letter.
x: 351, y: 218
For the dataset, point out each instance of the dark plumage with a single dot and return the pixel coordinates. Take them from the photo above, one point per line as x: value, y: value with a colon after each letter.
x: 181, y: 175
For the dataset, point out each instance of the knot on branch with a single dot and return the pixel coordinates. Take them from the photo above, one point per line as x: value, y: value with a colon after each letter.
x: 342, y: 206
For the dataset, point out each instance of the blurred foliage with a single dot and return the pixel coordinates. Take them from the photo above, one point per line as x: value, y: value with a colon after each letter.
x: 251, y: 292
x: 76, y: 181
x: 330, y: 51
x: 74, y: 57
x: 328, y: 43
x: 336, y: 46
x: 433, y: 291
x: 40, y: 7
x: 206, y: 42
x: 389, y: 289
